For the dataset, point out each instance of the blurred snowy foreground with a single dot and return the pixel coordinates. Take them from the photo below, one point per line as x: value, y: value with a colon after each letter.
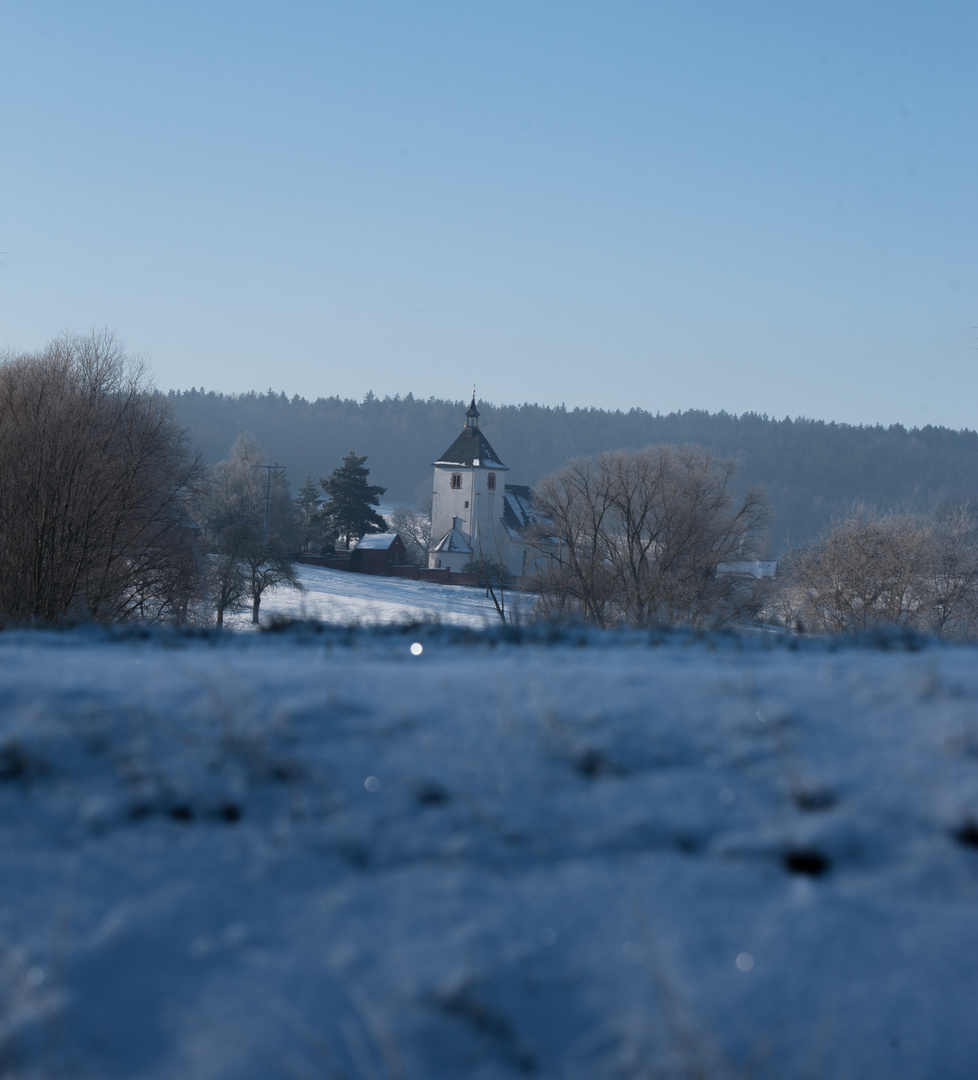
x: 329, y: 854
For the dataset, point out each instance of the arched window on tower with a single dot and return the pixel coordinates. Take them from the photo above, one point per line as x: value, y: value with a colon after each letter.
x: 491, y: 481
x: 456, y: 480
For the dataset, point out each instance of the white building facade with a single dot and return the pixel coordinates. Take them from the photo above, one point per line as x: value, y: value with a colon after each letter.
x: 475, y: 516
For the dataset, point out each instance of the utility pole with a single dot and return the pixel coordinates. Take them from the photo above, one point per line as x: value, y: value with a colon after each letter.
x: 268, y: 495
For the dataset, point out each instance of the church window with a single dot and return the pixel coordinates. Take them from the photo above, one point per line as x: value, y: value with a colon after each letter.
x: 491, y: 481
x: 456, y: 480
x: 466, y: 504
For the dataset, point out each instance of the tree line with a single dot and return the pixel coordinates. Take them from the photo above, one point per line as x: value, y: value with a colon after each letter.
x: 810, y: 470
x: 663, y: 536
x: 108, y: 513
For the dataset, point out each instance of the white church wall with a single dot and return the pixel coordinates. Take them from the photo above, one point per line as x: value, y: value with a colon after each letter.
x: 474, y: 507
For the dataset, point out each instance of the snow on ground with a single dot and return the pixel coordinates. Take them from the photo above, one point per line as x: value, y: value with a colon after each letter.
x: 342, y: 598
x: 320, y: 855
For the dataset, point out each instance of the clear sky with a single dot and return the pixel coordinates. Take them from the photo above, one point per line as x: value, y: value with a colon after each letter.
x: 767, y: 206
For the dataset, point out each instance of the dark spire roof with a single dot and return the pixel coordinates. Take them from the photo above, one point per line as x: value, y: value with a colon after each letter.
x: 471, y: 448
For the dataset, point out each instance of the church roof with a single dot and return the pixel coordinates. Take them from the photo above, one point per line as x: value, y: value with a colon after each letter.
x: 453, y: 540
x: 471, y: 448
x: 521, y: 515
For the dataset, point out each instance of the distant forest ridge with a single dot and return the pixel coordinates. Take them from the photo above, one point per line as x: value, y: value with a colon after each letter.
x: 811, y: 470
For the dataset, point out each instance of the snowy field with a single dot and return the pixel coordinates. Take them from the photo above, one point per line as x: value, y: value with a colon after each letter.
x: 342, y: 598
x: 319, y: 855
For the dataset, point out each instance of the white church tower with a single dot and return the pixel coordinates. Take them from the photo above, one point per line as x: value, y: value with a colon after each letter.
x: 476, y: 516
x: 467, y: 500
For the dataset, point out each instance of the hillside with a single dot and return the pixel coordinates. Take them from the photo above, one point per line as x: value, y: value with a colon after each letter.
x: 342, y: 598
x: 318, y: 855
x: 810, y: 469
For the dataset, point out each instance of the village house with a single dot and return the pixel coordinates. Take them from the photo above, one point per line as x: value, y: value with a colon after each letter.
x: 378, y: 553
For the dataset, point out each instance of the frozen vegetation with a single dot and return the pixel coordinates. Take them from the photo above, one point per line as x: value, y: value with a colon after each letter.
x: 327, y: 853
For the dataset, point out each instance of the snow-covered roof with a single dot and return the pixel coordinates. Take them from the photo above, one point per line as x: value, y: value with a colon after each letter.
x: 520, y: 514
x: 471, y: 449
x: 755, y: 568
x: 453, y: 540
x: 377, y: 541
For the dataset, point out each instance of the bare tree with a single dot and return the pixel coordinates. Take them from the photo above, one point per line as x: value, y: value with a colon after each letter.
x: 232, y: 507
x: 413, y: 524
x: 226, y: 578
x: 94, y: 480
x: 871, y: 569
x: 578, y: 577
x: 636, y: 537
x: 266, y: 565
x: 235, y: 494
x: 955, y: 569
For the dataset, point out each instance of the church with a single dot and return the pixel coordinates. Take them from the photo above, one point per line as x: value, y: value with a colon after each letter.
x: 475, y: 516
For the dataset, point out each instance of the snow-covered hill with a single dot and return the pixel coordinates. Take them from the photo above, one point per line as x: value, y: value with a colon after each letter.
x: 325, y: 854
x: 335, y: 596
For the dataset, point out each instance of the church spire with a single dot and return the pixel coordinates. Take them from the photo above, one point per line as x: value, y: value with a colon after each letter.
x: 472, y: 416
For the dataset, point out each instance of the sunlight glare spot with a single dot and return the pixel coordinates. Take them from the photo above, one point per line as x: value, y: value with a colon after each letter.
x: 745, y: 961
x: 417, y: 649
x: 371, y: 783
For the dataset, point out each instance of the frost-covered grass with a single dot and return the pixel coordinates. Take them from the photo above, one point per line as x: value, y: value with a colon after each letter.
x: 316, y: 854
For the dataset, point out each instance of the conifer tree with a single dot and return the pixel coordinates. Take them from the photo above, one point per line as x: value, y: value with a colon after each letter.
x: 351, y: 500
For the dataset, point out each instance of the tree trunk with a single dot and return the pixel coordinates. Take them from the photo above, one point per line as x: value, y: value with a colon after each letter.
x: 220, y: 616
x: 255, y: 605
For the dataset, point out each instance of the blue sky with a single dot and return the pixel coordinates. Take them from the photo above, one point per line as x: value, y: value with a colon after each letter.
x: 721, y: 205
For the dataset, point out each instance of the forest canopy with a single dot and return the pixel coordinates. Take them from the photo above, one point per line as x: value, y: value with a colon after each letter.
x: 811, y: 470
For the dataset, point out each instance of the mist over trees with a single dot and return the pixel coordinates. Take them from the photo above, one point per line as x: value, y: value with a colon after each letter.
x: 811, y: 470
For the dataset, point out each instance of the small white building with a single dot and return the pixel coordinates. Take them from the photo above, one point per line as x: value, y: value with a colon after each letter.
x: 475, y: 515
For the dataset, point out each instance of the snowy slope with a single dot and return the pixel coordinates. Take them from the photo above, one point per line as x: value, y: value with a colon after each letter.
x: 318, y: 855
x: 342, y: 598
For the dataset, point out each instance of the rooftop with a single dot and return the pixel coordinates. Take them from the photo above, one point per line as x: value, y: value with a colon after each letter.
x: 471, y: 448
x: 377, y: 541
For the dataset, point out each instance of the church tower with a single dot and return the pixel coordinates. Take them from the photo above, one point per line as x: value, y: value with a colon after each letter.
x: 467, y: 501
